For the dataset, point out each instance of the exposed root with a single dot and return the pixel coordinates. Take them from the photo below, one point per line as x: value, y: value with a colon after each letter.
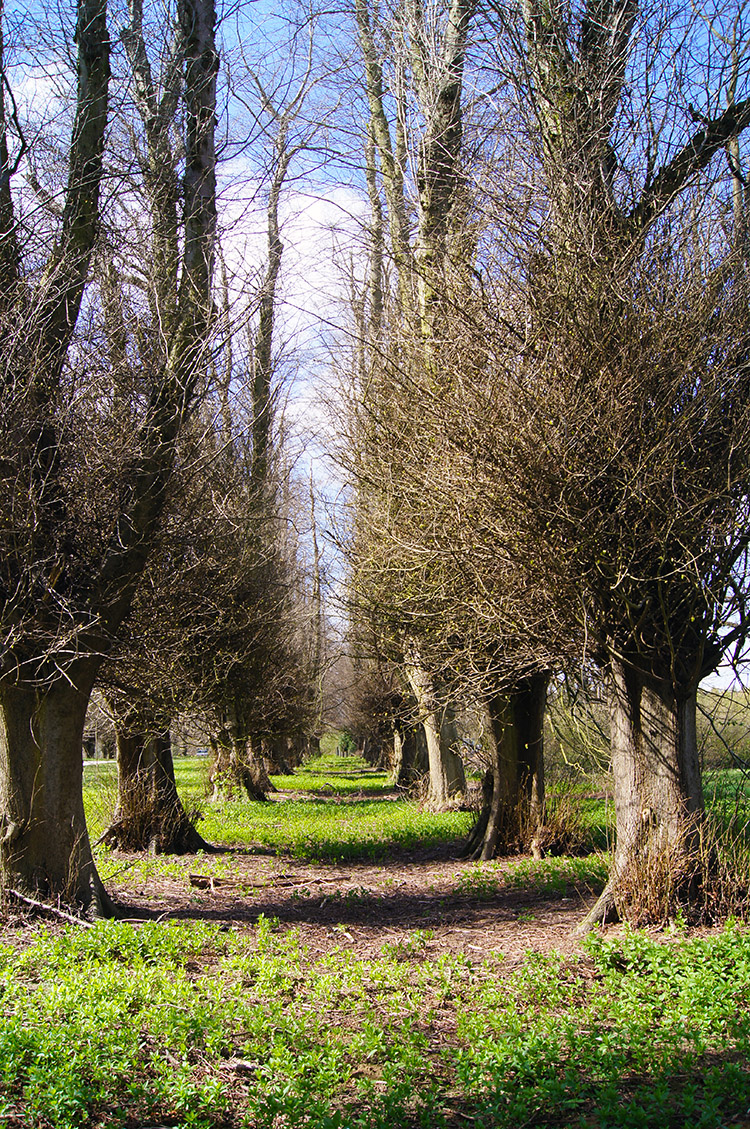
x: 603, y: 912
x: 160, y: 831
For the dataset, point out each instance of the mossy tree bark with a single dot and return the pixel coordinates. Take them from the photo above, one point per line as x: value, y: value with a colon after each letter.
x: 410, y: 764
x: 238, y: 762
x: 150, y: 814
x: 62, y: 599
x: 44, y: 843
x: 447, y: 786
x: 658, y: 794
x: 513, y: 797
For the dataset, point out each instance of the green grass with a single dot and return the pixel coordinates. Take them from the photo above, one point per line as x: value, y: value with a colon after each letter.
x: 330, y: 826
x: 549, y: 876
x: 185, y: 1025
x: 727, y: 787
x: 334, y: 776
x: 316, y: 829
x: 188, y: 1025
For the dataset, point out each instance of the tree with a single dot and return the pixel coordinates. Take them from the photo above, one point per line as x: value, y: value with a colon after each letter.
x: 87, y: 454
x: 256, y: 709
x: 429, y: 52
x: 149, y: 814
x: 617, y: 404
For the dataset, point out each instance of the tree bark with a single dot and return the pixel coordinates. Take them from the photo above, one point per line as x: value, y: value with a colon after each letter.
x: 410, y: 764
x: 447, y: 786
x: 658, y: 793
x: 279, y: 755
x: 238, y: 765
x: 513, y: 796
x: 44, y: 844
x: 150, y: 814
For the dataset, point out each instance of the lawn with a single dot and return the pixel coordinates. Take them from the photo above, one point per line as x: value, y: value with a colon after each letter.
x: 339, y: 965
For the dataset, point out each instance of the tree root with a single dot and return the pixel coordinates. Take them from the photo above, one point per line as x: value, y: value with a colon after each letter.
x: 159, y: 836
x: 603, y: 912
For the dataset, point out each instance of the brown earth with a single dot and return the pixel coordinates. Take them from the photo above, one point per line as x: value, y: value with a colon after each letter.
x: 367, y: 907
x: 370, y: 906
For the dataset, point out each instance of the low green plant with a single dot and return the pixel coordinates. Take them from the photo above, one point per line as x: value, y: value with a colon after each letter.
x: 312, y: 829
x: 481, y: 880
x: 558, y: 875
x: 412, y: 946
x: 188, y: 1025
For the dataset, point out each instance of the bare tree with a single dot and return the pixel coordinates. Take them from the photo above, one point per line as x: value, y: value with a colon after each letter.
x: 428, y: 58
x: 87, y: 461
x: 615, y: 445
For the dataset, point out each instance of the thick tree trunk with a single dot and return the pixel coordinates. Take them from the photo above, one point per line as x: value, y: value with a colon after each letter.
x: 447, y: 786
x: 658, y: 798
x: 253, y: 772
x: 150, y: 814
x: 311, y: 749
x: 410, y: 763
x: 278, y: 756
x: 238, y: 765
x: 44, y: 842
x: 513, y: 794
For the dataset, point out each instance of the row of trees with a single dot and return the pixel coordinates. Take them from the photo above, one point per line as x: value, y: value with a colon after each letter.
x: 550, y: 405
x: 547, y: 423
x: 147, y: 528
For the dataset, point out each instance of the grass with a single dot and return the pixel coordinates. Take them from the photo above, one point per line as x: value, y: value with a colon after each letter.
x: 313, y: 828
x: 727, y: 788
x: 188, y: 1024
x: 324, y: 831
x: 331, y: 775
x: 184, y: 1025
x: 549, y: 876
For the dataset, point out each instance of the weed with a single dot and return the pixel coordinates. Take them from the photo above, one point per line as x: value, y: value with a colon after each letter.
x: 558, y: 875
x: 148, y: 1021
x: 410, y: 947
x: 703, y: 873
x: 309, y: 829
x: 481, y: 880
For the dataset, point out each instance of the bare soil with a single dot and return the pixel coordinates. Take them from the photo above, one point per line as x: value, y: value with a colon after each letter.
x: 362, y: 906
x: 367, y: 906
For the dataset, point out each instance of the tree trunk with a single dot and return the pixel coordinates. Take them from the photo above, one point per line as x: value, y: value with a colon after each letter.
x: 150, y: 814
x: 410, y: 762
x: 513, y: 792
x: 45, y: 848
x: 658, y: 799
x: 447, y: 786
x: 253, y: 774
x: 221, y: 769
x: 278, y: 755
x: 238, y: 765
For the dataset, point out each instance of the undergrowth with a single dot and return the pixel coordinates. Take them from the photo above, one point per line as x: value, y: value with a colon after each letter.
x: 188, y: 1026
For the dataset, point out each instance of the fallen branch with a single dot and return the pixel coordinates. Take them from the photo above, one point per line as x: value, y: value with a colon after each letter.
x: 43, y: 907
x: 208, y: 882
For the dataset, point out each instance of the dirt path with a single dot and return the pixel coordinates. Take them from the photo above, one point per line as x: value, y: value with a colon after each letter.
x: 364, y: 906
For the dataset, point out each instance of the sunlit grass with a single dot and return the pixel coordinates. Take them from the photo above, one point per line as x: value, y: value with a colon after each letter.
x: 548, y: 876
x: 330, y: 825
x: 329, y: 831
x: 188, y: 1026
